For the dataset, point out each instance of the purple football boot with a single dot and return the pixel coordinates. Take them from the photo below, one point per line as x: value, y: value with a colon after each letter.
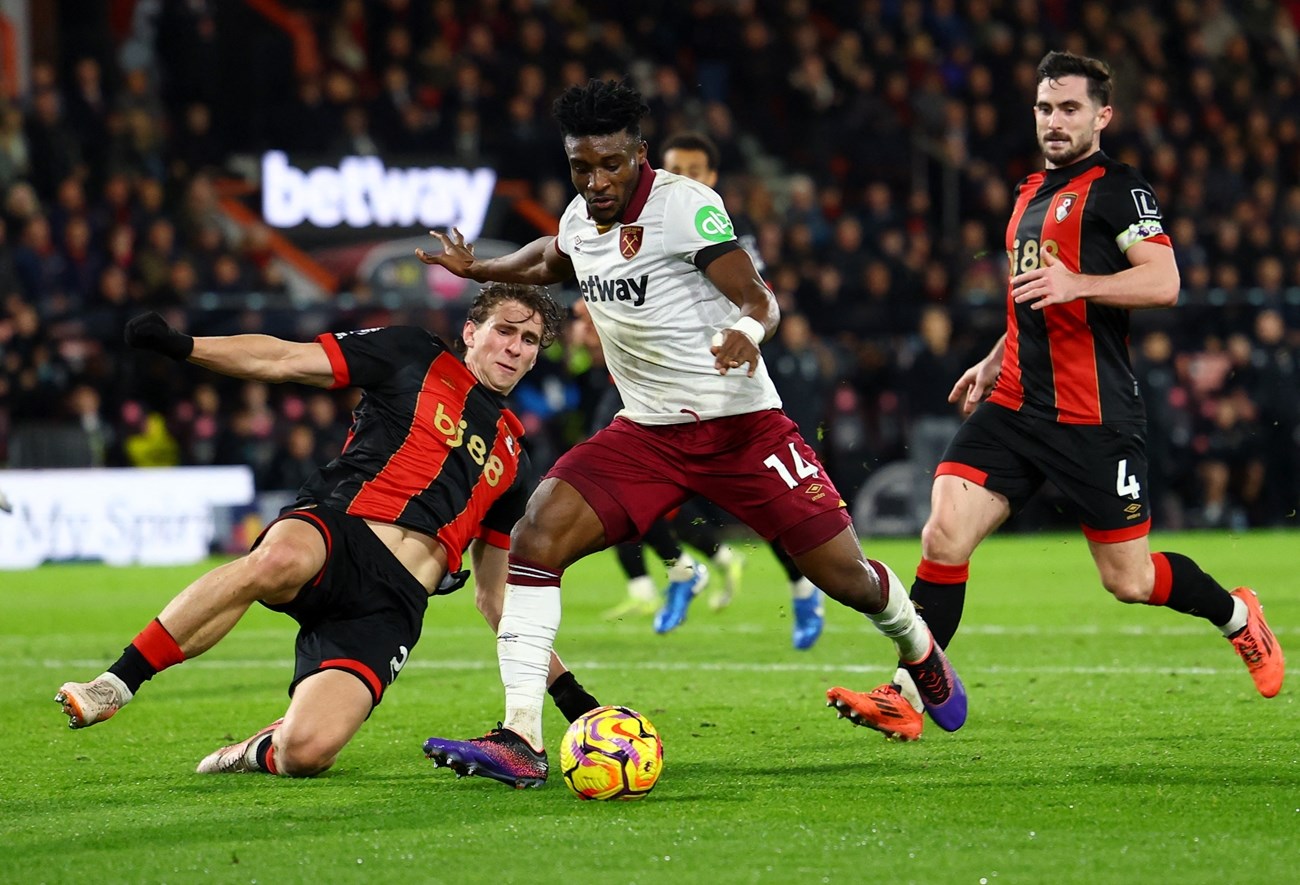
x: 942, y: 694
x: 500, y: 754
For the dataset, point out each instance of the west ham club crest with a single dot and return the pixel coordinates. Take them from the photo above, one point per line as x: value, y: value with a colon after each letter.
x: 629, y: 241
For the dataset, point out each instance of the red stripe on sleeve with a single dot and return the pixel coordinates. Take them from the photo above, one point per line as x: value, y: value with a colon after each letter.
x: 342, y: 377
x: 965, y: 471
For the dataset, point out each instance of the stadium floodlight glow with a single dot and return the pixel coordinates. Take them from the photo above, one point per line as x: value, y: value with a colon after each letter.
x: 362, y: 192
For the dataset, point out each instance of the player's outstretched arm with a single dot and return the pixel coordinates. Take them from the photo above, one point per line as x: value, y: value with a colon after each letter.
x: 537, y: 264
x: 735, y: 276
x: 251, y: 357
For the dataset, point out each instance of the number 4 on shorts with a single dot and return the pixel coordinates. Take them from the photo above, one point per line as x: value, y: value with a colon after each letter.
x: 1126, y: 486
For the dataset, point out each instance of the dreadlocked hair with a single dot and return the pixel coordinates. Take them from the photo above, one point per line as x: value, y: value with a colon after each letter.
x: 536, y: 299
x: 602, y: 107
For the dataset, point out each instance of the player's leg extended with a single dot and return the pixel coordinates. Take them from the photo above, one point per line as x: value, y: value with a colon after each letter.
x: 327, y: 709
x: 565, y: 690
x: 1132, y: 573
x: 291, y: 552
x: 869, y: 586
x: 558, y: 528
x: 962, y: 514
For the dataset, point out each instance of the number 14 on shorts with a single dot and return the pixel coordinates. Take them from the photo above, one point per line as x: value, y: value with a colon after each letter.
x: 802, y: 468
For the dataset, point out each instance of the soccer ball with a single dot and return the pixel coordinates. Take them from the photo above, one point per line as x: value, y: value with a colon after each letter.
x: 611, y: 753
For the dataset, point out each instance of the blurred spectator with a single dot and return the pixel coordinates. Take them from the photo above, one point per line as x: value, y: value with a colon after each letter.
x: 869, y: 151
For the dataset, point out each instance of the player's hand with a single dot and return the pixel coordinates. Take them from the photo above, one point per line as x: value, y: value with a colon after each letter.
x: 974, y: 385
x: 150, y: 331
x: 732, y: 349
x: 1049, y: 283
x: 457, y: 256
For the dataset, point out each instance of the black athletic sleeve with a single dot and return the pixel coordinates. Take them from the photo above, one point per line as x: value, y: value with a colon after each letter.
x: 1128, y: 206
x: 392, y: 357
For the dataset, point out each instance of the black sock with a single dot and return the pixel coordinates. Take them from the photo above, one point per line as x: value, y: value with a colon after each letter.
x: 133, y: 669
x: 701, y: 534
x: 570, y: 697
x: 787, y: 562
x: 1193, y: 592
x: 940, y: 606
x: 663, y: 541
x: 631, y: 559
x: 264, y: 756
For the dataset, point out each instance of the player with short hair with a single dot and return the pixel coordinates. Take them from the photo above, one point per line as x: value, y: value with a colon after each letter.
x: 433, y: 464
x: 681, y: 311
x: 1086, y: 245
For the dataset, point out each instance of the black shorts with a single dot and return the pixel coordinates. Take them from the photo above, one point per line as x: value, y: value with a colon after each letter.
x: 1100, y: 468
x: 362, y: 612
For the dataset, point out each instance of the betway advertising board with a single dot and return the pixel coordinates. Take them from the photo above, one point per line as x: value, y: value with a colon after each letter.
x: 158, y: 516
x: 363, y: 192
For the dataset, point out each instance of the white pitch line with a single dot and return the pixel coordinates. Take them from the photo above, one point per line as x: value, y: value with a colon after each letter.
x: 750, y: 628
x: 706, y: 666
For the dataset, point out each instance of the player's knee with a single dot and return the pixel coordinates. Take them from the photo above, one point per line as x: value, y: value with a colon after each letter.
x: 274, y: 567
x: 298, y: 755
x: 1129, y: 589
x: 941, y: 543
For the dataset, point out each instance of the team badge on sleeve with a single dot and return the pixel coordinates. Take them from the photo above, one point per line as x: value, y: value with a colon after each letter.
x: 629, y: 241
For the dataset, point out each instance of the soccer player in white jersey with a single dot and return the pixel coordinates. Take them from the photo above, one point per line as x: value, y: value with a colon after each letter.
x: 681, y: 312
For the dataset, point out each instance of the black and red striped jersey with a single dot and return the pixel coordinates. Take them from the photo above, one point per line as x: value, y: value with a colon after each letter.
x: 1069, y: 362
x: 430, y: 448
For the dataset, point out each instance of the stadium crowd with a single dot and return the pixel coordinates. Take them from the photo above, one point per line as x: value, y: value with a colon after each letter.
x: 870, y: 148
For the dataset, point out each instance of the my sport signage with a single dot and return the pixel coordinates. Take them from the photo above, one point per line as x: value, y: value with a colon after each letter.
x: 362, y: 192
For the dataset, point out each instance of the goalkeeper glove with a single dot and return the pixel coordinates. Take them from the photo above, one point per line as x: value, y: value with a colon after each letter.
x: 150, y: 331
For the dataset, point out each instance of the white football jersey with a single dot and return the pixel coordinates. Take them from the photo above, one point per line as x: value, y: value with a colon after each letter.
x: 655, y: 311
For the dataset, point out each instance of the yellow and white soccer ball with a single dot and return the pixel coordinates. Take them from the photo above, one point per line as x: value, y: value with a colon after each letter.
x: 611, y: 753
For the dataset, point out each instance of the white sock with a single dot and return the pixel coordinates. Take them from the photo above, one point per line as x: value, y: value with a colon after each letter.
x: 682, y: 569
x: 1238, y: 620
x: 724, y: 556
x: 802, y: 588
x: 530, y: 618
x: 643, y: 589
x: 907, y: 688
x: 900, y: 622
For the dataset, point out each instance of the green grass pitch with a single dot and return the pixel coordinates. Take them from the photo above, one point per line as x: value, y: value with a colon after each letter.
x: 1106, y: 743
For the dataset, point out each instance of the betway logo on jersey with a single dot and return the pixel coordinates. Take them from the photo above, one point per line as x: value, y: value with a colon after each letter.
x: 362, y: 192
x: 593, y: 288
